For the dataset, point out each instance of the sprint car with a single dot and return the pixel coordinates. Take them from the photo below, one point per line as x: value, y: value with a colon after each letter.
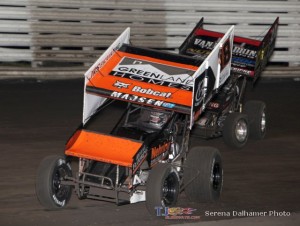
x: 225, y: 114
x: 140, y: 108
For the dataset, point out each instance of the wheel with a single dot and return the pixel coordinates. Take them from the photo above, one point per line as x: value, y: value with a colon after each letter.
x: 162, y: 188
x: 207, y: 186
x: 49, y: 190
x: 236, y: 130
x: 256, y: 111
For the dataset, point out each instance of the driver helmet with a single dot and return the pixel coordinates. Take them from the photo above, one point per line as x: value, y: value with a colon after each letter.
x: 157, y: 119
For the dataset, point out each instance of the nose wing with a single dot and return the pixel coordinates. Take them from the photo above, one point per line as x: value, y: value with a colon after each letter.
x: 102, y: 147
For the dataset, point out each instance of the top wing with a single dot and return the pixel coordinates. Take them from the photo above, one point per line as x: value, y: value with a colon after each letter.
x: 249, y: 55
x: 146, y: 77
x: 155, y: 78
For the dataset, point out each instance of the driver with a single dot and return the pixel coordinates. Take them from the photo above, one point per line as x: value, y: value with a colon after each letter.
x: 153, y: 119
x: 157, y: 119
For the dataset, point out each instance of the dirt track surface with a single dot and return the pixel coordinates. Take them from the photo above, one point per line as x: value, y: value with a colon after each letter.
x: 37, y: 118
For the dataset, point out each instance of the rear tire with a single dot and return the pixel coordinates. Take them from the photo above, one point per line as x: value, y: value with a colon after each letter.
x: 207, y: 186
x: 49, y: 190
x: 162, y: 188
x: 236, y: 130
x: 256, y: 111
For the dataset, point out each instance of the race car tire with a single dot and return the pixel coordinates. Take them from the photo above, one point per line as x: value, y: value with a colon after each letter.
x: 203, y: 175
x: 49, y: 190
x: 256, y: 111
x: 236, y: 130
x: 162, y: 188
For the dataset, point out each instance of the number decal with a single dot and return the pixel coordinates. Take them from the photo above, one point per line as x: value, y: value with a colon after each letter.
x: 225, y: 54
x: 200, y: 93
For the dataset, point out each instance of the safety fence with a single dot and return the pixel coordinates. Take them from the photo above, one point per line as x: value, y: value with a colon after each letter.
x: 62, y: 38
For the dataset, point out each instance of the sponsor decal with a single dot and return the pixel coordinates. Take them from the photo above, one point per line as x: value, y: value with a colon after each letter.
x: 100, y: 65
x: 154, y: 73
x: 242, y: 71
x: 243, y: 61
x: 157, y: 151
x: 139, y: 89
x: 204, y: 44
x: 142, y: 100
x: 142, y: 90
x: 239, y: 50
x: 153, y: 81
x: 244, y: 55
x: 139, y: 158
x: 168, y: 105
x: 120, y: 85
x: 261, y: 54
x: 201, y: 53
x: 135, y: 98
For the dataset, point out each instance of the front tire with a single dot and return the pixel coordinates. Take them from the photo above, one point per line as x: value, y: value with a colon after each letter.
x: 49, y: 190
x: 236, y: 130
x: 207, y: 185
x: 162, y: 188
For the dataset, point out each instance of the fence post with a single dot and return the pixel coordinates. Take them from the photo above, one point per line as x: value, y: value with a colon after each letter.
x: 295, y: 50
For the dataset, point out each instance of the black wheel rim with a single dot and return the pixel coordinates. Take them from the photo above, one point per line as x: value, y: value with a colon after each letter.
x: 170, y: 190
x: 60, y: 192
x: 217, y: 176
